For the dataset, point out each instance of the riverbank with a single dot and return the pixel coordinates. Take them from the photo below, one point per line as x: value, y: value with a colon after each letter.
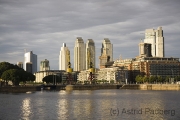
x: 92, y: 87
x: 24, y: 89
x: 152, y: 86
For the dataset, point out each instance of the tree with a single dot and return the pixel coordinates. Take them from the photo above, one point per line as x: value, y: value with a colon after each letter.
x: 51, y: 79
x: 6, y: 66
x: 145, y: 79
x: 167, y: 78
x: 159, y: 79
x: 139, y: 79
x: 152, y: 79
x: 17, y: 76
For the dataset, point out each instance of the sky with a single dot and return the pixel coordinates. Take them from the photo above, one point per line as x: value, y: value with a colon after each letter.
x: 42, y: 26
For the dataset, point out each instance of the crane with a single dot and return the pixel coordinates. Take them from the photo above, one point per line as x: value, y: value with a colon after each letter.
x: 90, y: 64
x: 69, y: 78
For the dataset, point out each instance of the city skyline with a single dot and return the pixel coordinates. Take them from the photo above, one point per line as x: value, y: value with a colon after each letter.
x: 43, y: 26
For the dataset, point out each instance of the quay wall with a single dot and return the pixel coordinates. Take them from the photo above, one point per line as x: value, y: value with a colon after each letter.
x: 19, y: 89
x: 152, y: 86
x: 91, y: 87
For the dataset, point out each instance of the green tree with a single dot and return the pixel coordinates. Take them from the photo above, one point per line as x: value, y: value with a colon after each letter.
x: 146, y: 79
x: 17, y: 76
x: 152, y: 79
x: 159, y: 79
x: 177, y: 78
x: 167, y: 78
x: 51, y: 79
x: 6, y: 66
x: 139, y: 79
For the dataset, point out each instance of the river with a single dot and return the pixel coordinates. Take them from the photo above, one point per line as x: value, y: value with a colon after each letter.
x: 110, y: 104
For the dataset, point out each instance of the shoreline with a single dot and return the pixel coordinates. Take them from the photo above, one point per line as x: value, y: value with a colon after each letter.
x: 25, y: 89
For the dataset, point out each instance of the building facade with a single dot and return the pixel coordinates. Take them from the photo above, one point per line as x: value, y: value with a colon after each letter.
x: 64, y: 57
x: 44, y: 65
x: 32, y: 58
x: 106, y: 53
x: 79, y: 55
x: 20, y: 64
x: 90, y: 53
x: 156, y: 39
x: 107, y: 48
x: 145, y: 49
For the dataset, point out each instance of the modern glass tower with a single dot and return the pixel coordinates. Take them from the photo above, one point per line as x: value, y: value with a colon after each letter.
x: 29, y: 57
x: 79, y: 55
x: 90, y: 53
x: 63, y: 57
x: 156, y: 39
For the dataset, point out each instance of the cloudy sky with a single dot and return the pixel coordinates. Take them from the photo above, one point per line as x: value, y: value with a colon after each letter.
x: 42, y: 26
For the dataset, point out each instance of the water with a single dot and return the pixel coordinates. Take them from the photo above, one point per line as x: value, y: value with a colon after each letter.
x: 91, y: 104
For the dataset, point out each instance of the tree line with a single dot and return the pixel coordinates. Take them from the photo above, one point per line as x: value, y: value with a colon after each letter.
x: 156, y: 79
x: 15, y: 74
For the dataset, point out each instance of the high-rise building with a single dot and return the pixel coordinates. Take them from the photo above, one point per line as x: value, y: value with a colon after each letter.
x: 145, y: 49
x: 20, y: 64
x: 29, y: 57
x: 79, y: 55
x: 63, y: 57
x: 44, y: 65
x: 107, y: 48
x: 106, y: 53
x: 90, y: 53
x: 29, y: 67
x: 156, y: 39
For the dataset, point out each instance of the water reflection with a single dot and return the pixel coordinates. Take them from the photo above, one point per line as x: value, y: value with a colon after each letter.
x: 26, y: 109
x: 95, y: 104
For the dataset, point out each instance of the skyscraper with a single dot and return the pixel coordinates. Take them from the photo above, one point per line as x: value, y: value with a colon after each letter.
x: 145, y: 49
x: 29, y: 57
x: 44, y: 65
x: 106, y: 52
x: 107, y: 48
x: 79, y: 55
x: 90, y: 53
x: 63, y: 57
x: 156, y: 39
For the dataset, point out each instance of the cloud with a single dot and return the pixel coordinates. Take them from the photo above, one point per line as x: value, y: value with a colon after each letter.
x: 43, y: 26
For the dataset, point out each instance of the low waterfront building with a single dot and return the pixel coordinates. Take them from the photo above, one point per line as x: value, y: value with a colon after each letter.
x: 150, y: 66
x: 105, y: 75
x: 41, y: 74
x: 61, y: 73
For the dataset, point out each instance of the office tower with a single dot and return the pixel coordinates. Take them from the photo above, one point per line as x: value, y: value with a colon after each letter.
x: 29, y: 67
x: 107, y: 48
x: 156, y: 39
x: 90, y: 53
x: 29, y: 57
x: 20, y: 64
x: 145, y: 49
x: 79, y: 55
x: 63, y: 57
x: 44, y: 65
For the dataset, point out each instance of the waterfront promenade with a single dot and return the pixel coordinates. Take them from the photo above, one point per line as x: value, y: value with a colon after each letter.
x: 21, y: 89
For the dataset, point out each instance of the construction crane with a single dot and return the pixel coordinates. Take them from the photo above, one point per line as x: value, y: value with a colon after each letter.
x: 69, y: 78
x: 91, y: 69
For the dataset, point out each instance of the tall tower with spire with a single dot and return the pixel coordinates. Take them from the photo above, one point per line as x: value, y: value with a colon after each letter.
x: 63, y: 57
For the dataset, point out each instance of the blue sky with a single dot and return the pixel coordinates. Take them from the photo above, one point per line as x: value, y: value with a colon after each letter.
x: 42, y: 26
